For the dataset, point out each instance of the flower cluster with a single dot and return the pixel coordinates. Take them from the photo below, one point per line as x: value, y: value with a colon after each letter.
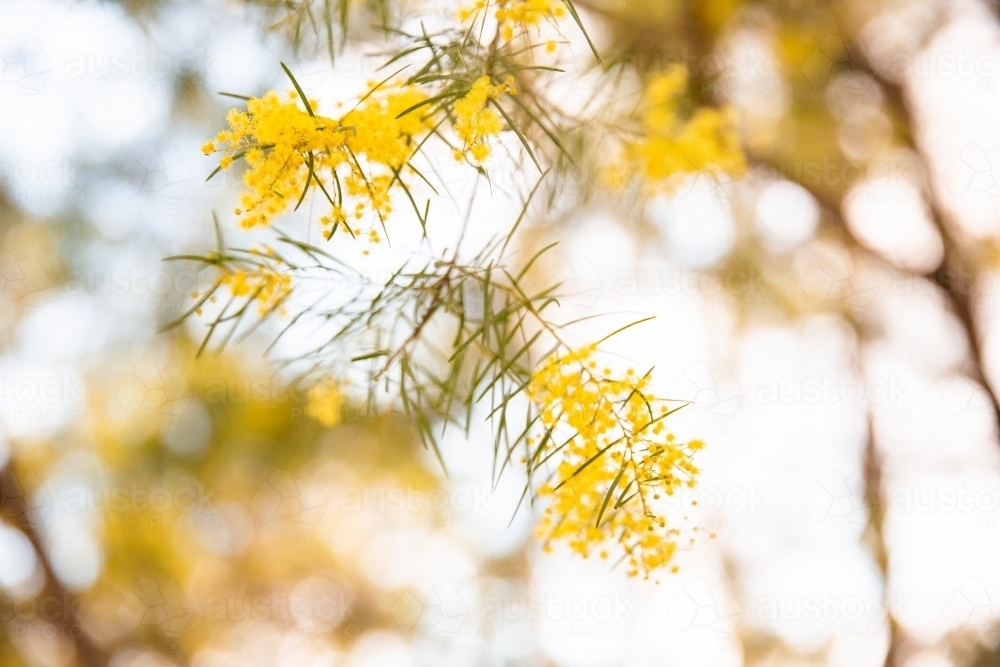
x: 355, y: 161
x: 475, y: 122
x: 706, y: 142
x: 516, y: 17
x: 617, y: 461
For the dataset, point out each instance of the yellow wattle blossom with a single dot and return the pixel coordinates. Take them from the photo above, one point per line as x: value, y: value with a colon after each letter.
x: 263, y: 284
x: 326, y: 400
x: 617, y: 461
x: 353, y: 161
x: 475, y: 122
x: 706, y: 142
x: 516, y: 17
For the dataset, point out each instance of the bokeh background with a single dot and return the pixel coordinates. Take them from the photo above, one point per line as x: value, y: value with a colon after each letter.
x: 832, y: 316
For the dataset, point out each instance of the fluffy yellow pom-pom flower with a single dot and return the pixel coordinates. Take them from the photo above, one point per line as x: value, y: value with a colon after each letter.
x: 617, y: 463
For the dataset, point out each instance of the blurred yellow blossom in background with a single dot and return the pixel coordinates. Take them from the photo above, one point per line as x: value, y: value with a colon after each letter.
x: 516, y: 17
x: 669, y: 145
x: 326, y: 399
x: 264, y: 285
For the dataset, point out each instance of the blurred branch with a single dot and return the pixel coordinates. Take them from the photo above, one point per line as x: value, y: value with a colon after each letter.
x: 872, y: 463
x: 68, y: 622
x: 875, y: 534
x: 329, y: 23
x: 993, y: 7
x: 956, y: 276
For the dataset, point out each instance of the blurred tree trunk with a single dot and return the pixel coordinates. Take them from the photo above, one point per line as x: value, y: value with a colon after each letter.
x: 15, y: 507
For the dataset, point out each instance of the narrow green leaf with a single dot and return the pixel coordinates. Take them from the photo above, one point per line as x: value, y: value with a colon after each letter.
x: 298, y: 88
x: 370, y: 355
x: 611, y: 490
